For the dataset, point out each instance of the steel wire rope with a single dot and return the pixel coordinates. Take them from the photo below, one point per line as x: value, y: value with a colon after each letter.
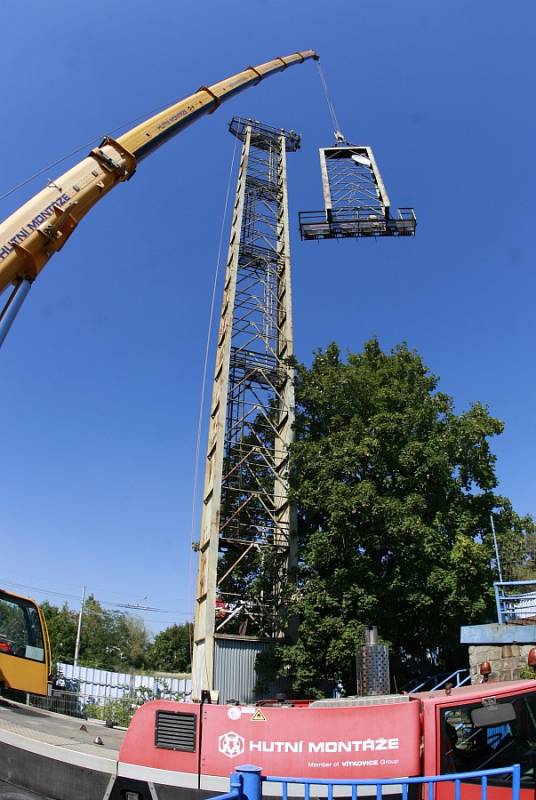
x: 113, y: 603
x: 204, y: 384
x: 329, y: 101
x: 79, y: 149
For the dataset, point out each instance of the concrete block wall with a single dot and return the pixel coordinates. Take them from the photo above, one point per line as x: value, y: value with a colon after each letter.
x: 507, y: 660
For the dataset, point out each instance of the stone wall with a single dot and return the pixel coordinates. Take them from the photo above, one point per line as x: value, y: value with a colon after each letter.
x: 507, y: 660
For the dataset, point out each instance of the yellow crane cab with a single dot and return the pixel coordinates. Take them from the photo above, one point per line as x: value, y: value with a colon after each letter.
x: 24, y: 645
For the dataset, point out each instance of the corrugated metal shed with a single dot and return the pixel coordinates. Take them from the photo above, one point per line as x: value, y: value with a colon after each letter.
x: 234, y: 667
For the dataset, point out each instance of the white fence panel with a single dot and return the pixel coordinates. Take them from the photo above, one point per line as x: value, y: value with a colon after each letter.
x: 104, y: 685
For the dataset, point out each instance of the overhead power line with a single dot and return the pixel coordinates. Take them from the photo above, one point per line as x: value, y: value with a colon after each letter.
x: 113, y: 603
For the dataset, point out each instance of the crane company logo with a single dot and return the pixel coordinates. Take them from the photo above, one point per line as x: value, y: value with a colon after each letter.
x: 353, y: 746
x: 20, y: 236
x: 231, y: 744
x: 174, y: 117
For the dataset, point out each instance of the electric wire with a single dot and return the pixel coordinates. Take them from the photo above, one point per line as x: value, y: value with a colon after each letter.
x: 329, y: 101
x: 204, y: 379
x: 25, y: 586
x: 112, y: 603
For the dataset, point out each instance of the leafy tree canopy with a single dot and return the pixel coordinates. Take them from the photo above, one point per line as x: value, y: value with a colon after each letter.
x: 61, y: 624
x: 115, y: 640
x: 170, y: 651
x: 394, y: 492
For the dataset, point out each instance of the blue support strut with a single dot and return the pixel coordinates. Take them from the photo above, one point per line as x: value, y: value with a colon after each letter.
x: 251, y: 782
x: 11, y: 308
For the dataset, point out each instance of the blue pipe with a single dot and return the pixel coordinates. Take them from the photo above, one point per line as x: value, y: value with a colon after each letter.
x: 12, y: 307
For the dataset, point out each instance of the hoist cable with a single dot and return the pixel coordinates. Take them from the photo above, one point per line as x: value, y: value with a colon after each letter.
x: 329, y: 101
x: 205, y: 370
x: 78, y: 150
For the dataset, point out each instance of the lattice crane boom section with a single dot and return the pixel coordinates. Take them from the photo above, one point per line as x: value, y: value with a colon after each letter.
x: 356, y: 202
x: 248, y: 530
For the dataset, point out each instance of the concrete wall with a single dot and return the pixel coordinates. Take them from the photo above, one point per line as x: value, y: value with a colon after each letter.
x: 506, y: 646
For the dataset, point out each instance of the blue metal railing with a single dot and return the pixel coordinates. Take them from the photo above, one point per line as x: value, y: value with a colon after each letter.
x: 459, y: 677
x: 513, y: 601
x: 247, y: 781
x: 236, y: 787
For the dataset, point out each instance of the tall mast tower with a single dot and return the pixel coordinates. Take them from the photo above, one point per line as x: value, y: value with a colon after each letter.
x: 247, y: 543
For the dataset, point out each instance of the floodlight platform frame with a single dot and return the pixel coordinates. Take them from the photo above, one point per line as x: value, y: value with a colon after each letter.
x: 356, y: 202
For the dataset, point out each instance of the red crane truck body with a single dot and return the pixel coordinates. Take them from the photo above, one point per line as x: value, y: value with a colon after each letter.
x: 194, y: 747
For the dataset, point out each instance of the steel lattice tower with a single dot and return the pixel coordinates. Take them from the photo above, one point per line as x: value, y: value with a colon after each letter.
x: 247, y: 541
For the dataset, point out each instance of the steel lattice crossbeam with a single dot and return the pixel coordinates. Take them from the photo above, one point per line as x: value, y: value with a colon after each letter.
x: 356, y: 202
x: 247, y: 529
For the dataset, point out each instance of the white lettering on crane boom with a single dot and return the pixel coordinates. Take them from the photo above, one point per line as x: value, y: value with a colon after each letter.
x: 38, y: 220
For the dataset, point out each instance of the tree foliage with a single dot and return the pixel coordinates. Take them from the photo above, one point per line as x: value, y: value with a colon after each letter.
x: 170, y: 651
x: 114, y: 640
x: 61, y: 624
x: 394, y: 492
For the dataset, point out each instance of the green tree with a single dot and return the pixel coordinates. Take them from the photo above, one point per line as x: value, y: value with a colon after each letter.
x: 170, y: 651
x: 517, y: 552
x: 394, y: 492
x: 132, y: 641
x: 109, y: 639
x: 61, y: 624
x: 98, y: 644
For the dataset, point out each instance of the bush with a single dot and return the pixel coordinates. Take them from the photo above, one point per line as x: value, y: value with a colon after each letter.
x: 120, y: 710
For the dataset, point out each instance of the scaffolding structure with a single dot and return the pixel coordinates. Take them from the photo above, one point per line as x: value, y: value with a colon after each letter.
x: 247, y: 543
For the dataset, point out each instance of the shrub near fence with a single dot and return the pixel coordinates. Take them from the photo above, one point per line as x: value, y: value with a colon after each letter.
x: 119, y: 711
x: 111, y: 696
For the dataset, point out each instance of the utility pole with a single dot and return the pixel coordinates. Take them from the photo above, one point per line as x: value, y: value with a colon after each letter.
x: 497, y: 556
x: 79, y: 629
x: 247, y: 542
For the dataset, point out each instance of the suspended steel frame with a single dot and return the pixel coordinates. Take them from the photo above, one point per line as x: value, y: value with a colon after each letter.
x: 356, y: 202
x: 247, y: 543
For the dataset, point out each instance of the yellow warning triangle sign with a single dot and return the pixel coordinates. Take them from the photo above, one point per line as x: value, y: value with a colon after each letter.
x: 258, y: 716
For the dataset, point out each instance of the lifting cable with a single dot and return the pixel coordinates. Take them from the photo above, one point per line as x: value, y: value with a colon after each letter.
x: 204, y: 378
x: 336, y: 127
x: 85, y: 146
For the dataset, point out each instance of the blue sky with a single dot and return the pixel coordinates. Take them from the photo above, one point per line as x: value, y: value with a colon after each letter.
x: 101, y: 374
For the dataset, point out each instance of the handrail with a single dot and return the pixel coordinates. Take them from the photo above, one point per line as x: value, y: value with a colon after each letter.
x: 246, y: 783
x: 449, y: 677
x: 443, y: 681
x: 457, y: 776
x: 509, y: 606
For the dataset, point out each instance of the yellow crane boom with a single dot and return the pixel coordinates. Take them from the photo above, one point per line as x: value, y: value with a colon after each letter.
x: 37, y: 230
